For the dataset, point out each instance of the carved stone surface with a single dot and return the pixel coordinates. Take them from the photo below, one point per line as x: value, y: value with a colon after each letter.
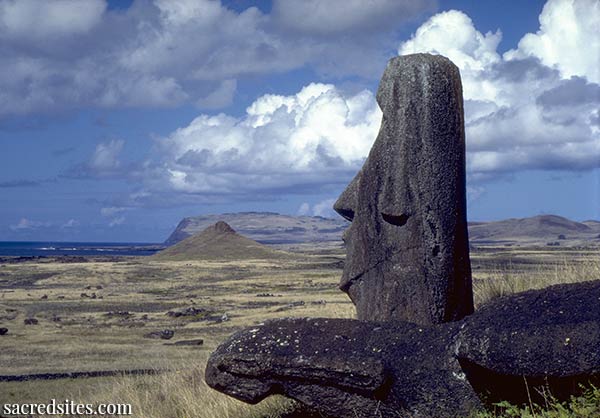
x: 548, y: 336
x: 415, y: 352
x: 407, y: 247
x: 345, y: 368
x: 350, y: 368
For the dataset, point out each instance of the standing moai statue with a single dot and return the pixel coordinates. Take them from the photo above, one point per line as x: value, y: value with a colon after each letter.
x: 407, y: 247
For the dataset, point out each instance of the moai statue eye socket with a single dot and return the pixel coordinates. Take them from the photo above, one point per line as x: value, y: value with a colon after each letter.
x: 398, y: 220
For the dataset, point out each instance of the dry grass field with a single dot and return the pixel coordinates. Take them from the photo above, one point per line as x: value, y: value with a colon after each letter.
x: 97, y: 314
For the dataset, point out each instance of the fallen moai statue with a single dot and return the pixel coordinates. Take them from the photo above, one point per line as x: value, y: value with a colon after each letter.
x: 349, y: 368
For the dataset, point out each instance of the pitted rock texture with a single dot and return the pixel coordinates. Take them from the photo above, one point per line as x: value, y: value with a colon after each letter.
x: 540, y: 337
x: 407, y: 247
x: 349, y: 368
x: 344, y: 367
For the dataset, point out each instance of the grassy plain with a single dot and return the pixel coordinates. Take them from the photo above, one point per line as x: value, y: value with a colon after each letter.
x: 95, y: 314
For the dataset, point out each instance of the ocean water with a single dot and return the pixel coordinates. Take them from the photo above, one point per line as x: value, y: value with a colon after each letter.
x: 31, y: 248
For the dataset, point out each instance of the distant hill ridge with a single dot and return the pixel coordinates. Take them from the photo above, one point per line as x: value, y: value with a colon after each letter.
x: 266, y: 227
x: 273, y: 228
x: 539, y: 229
x: 218, y: 242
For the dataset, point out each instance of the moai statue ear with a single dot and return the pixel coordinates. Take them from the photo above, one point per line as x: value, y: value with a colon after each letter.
x: 348, y: 200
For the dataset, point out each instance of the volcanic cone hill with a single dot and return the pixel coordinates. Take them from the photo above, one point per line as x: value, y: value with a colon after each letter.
x: 218, y: 242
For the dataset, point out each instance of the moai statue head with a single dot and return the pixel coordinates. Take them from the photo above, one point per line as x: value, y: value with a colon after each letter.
x: 407, y: 247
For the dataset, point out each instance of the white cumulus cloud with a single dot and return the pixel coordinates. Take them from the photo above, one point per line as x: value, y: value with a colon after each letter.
x: 525, y: 109
x: 522, y: 110
x: 317, y: 136
x: 567, y: 38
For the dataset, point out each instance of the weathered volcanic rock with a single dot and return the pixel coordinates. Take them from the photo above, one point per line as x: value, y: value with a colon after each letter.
x: 407, y: 247
x: 350, y: 368
x: 549, y: 336
x: 346, y: 368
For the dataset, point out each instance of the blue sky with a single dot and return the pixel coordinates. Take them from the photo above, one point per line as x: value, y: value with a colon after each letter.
x: 119, y: 118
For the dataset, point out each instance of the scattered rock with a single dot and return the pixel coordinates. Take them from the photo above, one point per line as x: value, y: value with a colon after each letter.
x: 290, y: 306
x: 408, y: 243
x: 122, y: 314
x: 30, y: 321
x: 165, y: 334
x: 190, y: 311
x: 195, y: 342
x: 198, y: 314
